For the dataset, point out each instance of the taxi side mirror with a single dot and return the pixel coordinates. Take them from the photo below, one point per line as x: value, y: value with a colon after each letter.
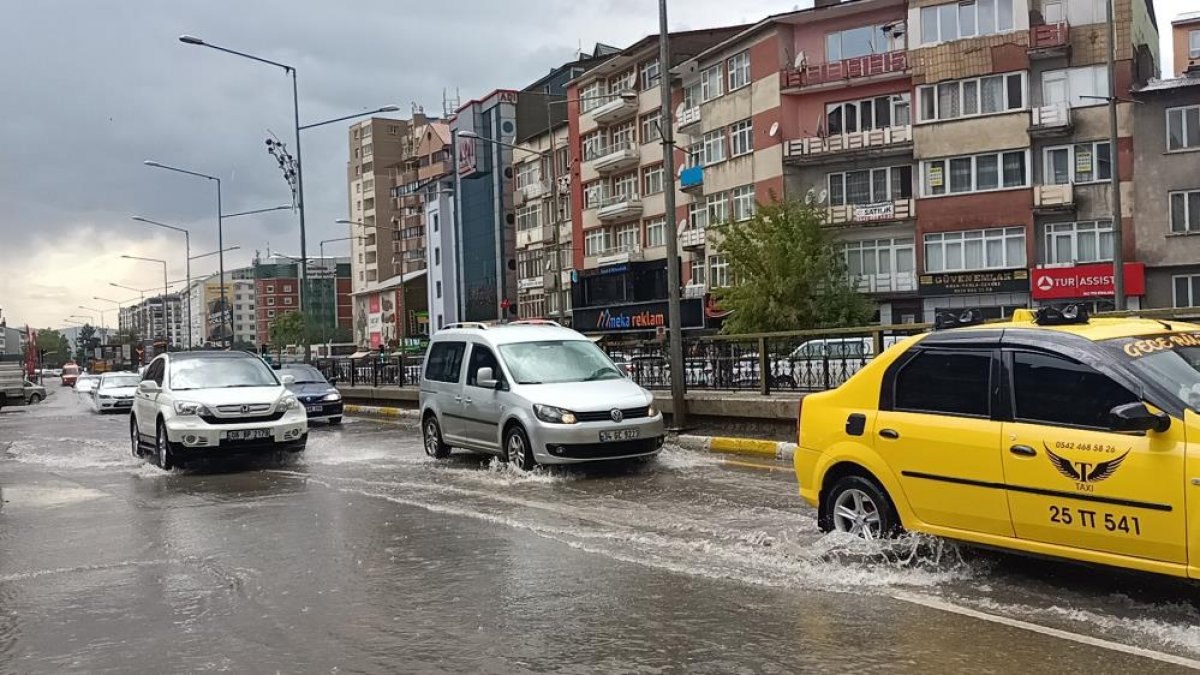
x: 1137, y: 417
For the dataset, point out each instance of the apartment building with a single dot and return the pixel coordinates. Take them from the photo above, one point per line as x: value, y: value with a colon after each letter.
x: 277, y: 292
x: 1185, y: 42
x: 441, y: 256
x: 377, y: 146
x: 619, y: 220
x: 154, y: 320
x: 214, y: 323
x: 428, y: 161
x: 541, y: 199
x: 1010, y: 141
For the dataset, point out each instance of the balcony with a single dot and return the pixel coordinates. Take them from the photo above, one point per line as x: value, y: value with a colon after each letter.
x: 623, y: 106
x: 534, y: 235
x: 838, y: 73
x: 618, y: 256
x: 535, y: 190
x: 691, y: 180
x: 866, y: 214
x: 616, y: 157
x: 861, y: 144
x: 900, y: 282
x: 688, y: 118
x: 694, y: 291
x: 526, y: 285
x: 692, y: 238
x: 1053, y: 198
x: 1052, y: 40
x: 1051, y: 120
x: 619, y: 207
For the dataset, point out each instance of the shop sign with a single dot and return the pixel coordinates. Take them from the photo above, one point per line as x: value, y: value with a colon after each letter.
x: 1085, y: 281
x: 964, y: 283
x: 642, y: 316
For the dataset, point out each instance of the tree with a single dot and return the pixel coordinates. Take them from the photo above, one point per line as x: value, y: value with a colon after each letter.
x: 290, y: 329
x: 86, y: 342
x: 789, y: 272
x: 55, y: 346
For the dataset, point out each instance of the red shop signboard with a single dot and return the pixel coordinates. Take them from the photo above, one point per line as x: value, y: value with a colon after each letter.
x: 1085, y: 281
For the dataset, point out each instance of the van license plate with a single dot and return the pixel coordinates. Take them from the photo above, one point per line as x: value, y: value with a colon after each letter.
x: 619, y: 435
x: 247, y: 434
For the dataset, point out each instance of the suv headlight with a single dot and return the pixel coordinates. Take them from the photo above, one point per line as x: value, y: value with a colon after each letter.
x: 288, y: 402
x: 549, y: 413
x: 191, y: 408
x: 332, y: 396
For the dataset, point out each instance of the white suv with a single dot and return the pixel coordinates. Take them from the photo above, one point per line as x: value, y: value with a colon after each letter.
x: 533, y: 393
x: 193, y: 404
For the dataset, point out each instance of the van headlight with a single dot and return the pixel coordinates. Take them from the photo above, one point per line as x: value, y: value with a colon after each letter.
x: 651, y: 411
x: 192, y: 408
x: 553, y: 415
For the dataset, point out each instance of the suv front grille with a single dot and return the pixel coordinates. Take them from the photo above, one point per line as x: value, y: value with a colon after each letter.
x: 249, y: 408
x: 244, y: 419
x: 606, y: 415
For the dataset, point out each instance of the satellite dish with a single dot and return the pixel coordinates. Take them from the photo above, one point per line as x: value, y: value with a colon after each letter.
x: 774, y: 129
x: 822, y: 196
x: 810, y: 196
x: 679, y: 110
x: 679, y: 172
x: 801, y: 60
x: 682, y: 225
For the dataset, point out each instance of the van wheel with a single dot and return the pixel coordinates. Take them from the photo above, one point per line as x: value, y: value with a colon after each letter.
x: 517, y: 450
x: 434, y: 447
x: 858, y: 506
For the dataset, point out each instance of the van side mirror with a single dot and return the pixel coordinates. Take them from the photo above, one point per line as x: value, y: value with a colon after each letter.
x: 1137, y: 417
x: 486, y: 378
x: 148, y: 387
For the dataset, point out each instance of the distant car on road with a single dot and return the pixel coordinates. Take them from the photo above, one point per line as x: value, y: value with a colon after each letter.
x: 34, y: 393
x: 115, y: 391
x: 86, y: 384
x: 69, y: 374
x: 321, y: 400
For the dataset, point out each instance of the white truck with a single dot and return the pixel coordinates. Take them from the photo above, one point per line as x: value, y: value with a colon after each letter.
x: 12, y: 383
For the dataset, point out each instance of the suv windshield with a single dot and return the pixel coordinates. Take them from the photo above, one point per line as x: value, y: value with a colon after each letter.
x: 1171, y: 361
x: 303, y: 374
x: 119, y: 381
x: 212, y: 373
x: 557, y: 361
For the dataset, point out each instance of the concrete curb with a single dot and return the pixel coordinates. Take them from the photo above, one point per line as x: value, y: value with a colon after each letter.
x: 726, y: 445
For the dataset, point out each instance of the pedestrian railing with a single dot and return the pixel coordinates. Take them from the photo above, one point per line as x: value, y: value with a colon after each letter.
x: 373, y: 371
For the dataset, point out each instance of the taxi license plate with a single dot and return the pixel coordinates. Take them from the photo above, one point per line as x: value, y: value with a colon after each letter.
x: 619, y: 435
x: 247, y: 434
x: 314, y: 408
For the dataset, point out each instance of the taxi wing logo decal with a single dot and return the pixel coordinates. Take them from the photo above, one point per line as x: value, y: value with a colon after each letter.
x: 1084, y: 472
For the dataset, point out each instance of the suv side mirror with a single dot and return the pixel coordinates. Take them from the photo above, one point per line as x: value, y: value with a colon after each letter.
x: 288, y: 380
x: 1137, y: 417
x: 486, y: 378
x: 149, y: 387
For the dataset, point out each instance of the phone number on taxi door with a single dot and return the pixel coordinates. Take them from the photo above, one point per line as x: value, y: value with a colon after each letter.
x: 1095, y: 520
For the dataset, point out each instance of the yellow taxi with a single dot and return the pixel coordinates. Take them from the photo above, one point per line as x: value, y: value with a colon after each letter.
x: 1054, y: 434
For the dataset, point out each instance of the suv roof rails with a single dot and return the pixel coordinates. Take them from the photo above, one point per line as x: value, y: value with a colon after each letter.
x: 466, y: 324
x: 535, y: 322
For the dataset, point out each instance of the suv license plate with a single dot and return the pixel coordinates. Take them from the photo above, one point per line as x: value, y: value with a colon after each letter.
x: 619, y: 435
x: 247, y: 434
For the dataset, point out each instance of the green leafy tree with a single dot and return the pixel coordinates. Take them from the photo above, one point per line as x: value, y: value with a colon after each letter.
x: 291, y: 329
x: 86, y: 343
x: 341, y: 334
x: 55, y: 346
x: 789, y: 273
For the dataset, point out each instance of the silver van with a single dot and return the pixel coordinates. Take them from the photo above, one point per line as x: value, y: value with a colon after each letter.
x: 532, y: 392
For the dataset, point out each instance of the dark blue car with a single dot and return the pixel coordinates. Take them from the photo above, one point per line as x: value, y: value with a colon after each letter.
x: 320, y: 399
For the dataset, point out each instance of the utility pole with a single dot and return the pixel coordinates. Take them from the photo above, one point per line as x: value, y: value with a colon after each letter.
x: 674, y: 320
x: 1115, y: 160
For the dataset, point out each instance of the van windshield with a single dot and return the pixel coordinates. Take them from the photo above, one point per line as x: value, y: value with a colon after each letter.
x: 558, y: 361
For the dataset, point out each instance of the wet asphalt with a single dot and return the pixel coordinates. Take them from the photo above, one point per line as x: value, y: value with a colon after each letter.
x: 365, y: 556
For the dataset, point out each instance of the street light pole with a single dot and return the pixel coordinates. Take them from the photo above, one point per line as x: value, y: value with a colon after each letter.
x: 187, y: 242
x: 674, y: 320
x: 166, y: 312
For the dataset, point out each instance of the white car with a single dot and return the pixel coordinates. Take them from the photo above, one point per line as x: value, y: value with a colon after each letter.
x: 214, y: 404
x: 114, y: 392
x: 86, y: 384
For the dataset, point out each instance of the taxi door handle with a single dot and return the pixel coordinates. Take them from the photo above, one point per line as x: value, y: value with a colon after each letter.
x: 1023, y: 450
x: 889, y: 434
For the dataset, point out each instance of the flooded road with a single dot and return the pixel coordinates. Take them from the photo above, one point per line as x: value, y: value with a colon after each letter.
x: 366, y: 556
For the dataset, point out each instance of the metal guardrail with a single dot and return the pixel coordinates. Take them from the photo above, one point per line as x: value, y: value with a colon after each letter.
x: 372, y: 371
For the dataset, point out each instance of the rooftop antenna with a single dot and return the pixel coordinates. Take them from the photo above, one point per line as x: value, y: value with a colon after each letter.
x: 450, y: 103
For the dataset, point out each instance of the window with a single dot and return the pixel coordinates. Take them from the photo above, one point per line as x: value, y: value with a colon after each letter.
x: 270, y: 314
x: 625, y: 185
x: 972, y: 97
x: 870, y: 186
x: 529, y: 216
x: 738, y: 66
x: 1187, y: 290
x: 271, y: 301
x: 435, y: 221
x: 622, y: 82
x: 1076, y: 86
x: 872, y: 113
x: 862, y: 41
x: 716, y: 208
x: 628, y: 237
x: 270, y: 289
x: 652, y: 180
x: 1183, y: 127
x: 741, y: 138
x: 714, y: 147
x: 651, y: 74
x: 718, y: 272
x: 977, y: 173
x: 947, y: 382
x: 993, y: 248
x: 743, y: 203
x: 697, y: 267
x: 595, y: 242
x: 444, y: 361
x: 437, y: 285
x: 528, y: 173
x: 697, y: 216
x: 656, y: 232
x: 592, y: 96
x: 651, y: 132
x: 710, y: 83
x: 593, y: 194
x: 951, y: 21
x: 1049, y: 389
x: 287, y: 301
x: 287, y: 288
x: 593, y: 146
x: 1083, y: 242
x: 879, y: 257
x: 1185, y: 211
x: 622, y: 136
x: 1079, y: 163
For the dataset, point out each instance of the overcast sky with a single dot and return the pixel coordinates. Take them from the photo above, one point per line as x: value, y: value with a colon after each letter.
x: 91, y: 88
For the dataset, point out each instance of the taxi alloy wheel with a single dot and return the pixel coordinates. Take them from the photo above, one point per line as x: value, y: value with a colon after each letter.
x: 856, y: 513
x: 857, y: 505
